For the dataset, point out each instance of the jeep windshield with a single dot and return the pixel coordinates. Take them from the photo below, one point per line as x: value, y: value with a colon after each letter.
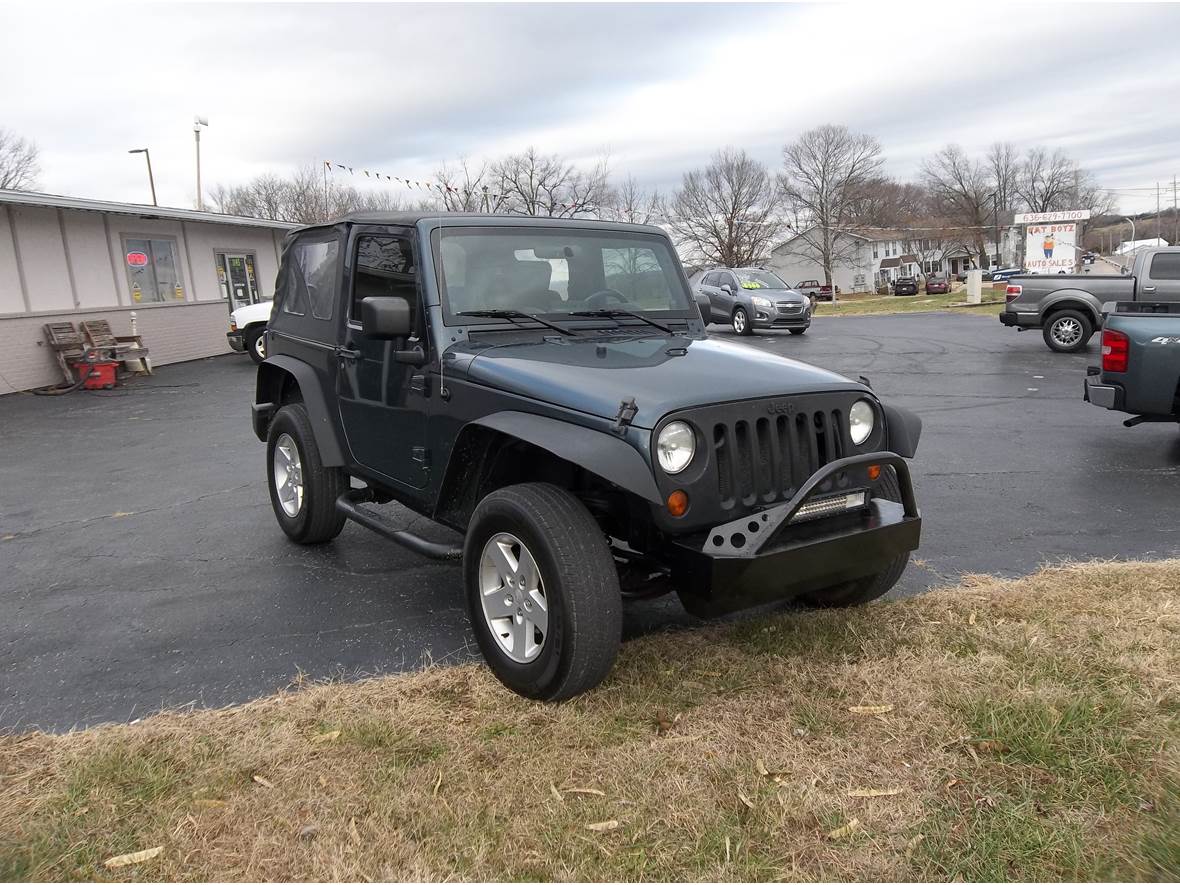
x: 559, y: 274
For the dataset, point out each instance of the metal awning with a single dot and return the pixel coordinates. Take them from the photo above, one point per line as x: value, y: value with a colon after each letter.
x: 890, y: 262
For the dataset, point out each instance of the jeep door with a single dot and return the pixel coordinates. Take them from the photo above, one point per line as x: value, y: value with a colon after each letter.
x: 382, y: 400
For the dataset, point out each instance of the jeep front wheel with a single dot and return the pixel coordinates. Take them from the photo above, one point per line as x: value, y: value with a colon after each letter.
x: 542, y: 591
x: 303, y: 491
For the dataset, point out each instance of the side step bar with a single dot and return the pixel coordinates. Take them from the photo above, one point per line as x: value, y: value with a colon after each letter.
x: 349, y: 504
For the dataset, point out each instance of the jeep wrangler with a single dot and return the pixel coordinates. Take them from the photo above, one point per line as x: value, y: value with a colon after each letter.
x: 546, y: 387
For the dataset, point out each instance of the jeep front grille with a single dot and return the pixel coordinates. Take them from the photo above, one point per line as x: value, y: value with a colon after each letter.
x: 765, y: 459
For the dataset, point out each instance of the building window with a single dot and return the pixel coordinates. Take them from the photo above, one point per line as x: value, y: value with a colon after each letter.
x: 874, y: 250
x: 153, y: 273
x: 239, y: 283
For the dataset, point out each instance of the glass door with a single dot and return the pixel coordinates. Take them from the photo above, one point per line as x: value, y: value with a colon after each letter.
x: 235, y: 274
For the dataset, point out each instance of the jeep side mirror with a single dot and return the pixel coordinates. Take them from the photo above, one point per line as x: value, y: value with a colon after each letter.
x: 385, y: 318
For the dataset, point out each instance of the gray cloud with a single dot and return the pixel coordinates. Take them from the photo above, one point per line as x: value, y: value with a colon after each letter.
x: 403, y: 88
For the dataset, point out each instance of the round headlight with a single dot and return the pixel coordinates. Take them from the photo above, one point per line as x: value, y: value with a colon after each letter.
x: 860, y: 421
x: 675, y: 446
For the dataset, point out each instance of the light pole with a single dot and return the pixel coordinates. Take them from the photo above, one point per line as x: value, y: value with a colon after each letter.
x: 198, y: 122
x: 996, y: 223
x: 151, y: 178
x: 1131, y: 221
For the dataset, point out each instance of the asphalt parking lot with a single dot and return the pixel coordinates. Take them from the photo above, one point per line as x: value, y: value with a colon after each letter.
x: 142, y: 568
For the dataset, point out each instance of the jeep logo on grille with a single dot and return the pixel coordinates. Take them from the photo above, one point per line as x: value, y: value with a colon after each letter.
x: 787, y: 408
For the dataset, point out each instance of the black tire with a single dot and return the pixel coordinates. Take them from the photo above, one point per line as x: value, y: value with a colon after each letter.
x: 255, y: 343
x: 871, y: 587
x: 798, y: 331
x: 741, y: 322
x: 317, y: 520
x: 1067, y: 331
x: 581, y: 590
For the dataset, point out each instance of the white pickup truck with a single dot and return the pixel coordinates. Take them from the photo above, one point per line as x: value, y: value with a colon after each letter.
x: 246, y: 327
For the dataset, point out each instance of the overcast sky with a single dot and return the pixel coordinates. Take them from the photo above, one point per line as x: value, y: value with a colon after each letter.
x: 401, y: 88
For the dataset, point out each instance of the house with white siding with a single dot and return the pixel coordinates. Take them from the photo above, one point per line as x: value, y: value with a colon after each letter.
x: 871, y: 259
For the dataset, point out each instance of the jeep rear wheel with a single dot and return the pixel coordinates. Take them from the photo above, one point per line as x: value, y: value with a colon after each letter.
x: 542, y: 591
x: 303, y: 491
x: 870, y: 587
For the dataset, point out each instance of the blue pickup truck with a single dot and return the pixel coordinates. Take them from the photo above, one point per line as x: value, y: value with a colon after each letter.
x: 1140, y: 369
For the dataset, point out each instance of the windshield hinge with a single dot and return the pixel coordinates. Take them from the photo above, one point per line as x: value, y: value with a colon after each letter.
x: 626, y: 414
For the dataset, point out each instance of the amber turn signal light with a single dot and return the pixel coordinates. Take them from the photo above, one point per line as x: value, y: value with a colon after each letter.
x: 678, y: 503
x: 874, y: 472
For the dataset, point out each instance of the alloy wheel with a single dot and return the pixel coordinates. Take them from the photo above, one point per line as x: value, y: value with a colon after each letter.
x: 288, y: 475
x: 1066, y: 331
x: 739, y: 321
x: 512, y: 592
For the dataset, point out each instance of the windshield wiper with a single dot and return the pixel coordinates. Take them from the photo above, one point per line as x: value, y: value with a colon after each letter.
x: 619, y: 312
x: 515, y: 316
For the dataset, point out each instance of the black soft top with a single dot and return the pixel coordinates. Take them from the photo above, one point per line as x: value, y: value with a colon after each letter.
x: 478, y: 219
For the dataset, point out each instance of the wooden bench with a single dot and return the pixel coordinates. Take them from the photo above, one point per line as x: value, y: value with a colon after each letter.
x: 123, y: 349
x: 67, y: 346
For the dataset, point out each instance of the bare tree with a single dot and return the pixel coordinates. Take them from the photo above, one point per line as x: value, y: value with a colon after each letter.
x: 726, y: 213
x: 960, y: 188
x: 303, y: 197
x: 1047, y: 180
x: 1003, y: 165
x: 18, y: 162
x: 465, y: 189
x: 828, y: 173
x: 532, y: 183
x: 634, y: 205
x: 886, y: 203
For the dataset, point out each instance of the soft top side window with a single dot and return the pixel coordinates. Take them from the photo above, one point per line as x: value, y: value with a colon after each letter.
x: 384, y: 267
x: 311, y: 271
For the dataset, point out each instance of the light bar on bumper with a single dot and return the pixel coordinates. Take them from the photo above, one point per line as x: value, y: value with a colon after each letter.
x: 747, y: 535
x: 830, y: 505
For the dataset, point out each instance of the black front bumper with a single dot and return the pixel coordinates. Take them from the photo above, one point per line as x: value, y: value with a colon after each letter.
x: 236, y: 342
x: 784, y: 560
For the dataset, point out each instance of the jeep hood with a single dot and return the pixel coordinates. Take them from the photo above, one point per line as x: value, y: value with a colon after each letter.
x: 663, y: 373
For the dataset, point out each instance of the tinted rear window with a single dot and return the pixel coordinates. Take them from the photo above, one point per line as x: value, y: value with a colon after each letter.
x: 1165, y: 266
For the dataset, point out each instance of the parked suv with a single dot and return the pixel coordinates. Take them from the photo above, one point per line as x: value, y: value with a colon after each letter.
x: 750, y: 298
x: 546, y: 388
x: 905, y: 286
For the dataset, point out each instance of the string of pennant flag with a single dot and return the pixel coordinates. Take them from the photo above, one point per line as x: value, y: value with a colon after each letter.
x: 433, y: 187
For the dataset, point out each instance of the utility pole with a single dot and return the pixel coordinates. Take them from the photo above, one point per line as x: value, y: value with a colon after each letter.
x: 1175, y: 218
x: 1158, y: 229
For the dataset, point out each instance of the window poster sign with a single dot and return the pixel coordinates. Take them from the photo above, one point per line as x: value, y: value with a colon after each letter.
x: 1050, y: 248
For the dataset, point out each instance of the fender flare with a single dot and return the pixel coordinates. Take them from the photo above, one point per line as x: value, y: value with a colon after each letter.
x: 269, y: 386
x: 1084, y: 300
x: 600, y: 453
x: 902, y: 430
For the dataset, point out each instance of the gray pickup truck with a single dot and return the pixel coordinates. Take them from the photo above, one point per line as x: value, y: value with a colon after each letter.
x: 1068, y: 307
x: 1140, y: 370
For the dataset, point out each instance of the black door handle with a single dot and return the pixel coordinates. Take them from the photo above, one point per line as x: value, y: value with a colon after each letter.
x: 347, y: 354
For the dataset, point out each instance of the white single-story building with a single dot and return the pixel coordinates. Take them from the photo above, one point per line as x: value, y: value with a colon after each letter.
x: 179, y: 271
x: 1132, y: 246
x: 871, y: 259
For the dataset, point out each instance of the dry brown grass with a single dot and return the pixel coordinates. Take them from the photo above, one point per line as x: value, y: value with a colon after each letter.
x: 1031, y: 734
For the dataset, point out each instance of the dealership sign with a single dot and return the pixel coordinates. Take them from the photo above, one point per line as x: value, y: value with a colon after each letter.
x: 137, y: 259
x: 1052, y: 217
x: 1050, y: 248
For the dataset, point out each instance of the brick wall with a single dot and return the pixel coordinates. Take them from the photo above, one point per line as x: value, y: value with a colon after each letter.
x: 173, y: 333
